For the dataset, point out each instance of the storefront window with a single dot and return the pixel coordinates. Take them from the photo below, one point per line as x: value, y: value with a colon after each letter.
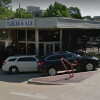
x: 31, y: 35
x: 21, y: 35
x: 31, y: 48
x: 41, y: 50
x: 26, y: 48
x: 26, y: 40
x: 49, y: 36
x: 57, y: 47
x: 22, y: 48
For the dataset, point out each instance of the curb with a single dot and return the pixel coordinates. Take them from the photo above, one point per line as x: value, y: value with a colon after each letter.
x: 43, y: 83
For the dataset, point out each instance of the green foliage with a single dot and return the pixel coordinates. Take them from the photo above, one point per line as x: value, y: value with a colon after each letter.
x: 57, y: 10
x: 4, y: 3
x: 22, y: 13
x: 87, y: 17
x: 75, y: 12
x: 54, y: 10
x: 5, y: 13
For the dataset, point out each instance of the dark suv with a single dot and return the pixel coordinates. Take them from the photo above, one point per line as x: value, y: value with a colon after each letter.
x: 52, y: 63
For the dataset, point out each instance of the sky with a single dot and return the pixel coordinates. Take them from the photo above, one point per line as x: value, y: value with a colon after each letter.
x: 87, y: 7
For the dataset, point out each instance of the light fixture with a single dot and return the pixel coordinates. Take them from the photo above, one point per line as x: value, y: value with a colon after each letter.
x: 4, y: 32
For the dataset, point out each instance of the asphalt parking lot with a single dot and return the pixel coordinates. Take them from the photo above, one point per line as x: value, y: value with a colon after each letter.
x: 19, y: 78
x: 43, y: 78
x: 79, y: 87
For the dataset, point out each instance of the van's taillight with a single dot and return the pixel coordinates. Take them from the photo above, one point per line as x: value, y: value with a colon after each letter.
x: 41, y: 63
x: 4, y: 63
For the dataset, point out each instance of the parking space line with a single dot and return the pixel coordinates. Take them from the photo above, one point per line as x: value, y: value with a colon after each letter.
x: 37, y: 96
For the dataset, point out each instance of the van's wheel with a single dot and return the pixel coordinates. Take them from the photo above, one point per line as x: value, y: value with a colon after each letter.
x: 89, y: 67
x: 52, y: 71
x: 13, y: 70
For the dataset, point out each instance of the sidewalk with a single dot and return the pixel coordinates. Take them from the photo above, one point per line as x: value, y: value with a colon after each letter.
x: 61, y: 79
x: 88, y: 89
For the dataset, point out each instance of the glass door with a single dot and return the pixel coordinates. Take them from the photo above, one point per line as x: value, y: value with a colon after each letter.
x: 49, y: 48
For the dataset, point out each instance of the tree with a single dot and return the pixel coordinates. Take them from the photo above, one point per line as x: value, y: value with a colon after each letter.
x: 75, y: 13
x: 5, y: 13
x: 22, y: 13
x: 87, y: 18
x: 57, y: 10
x: 4, y: 3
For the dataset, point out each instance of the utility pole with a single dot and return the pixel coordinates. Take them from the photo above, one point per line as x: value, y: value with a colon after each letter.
x: 20, y: 13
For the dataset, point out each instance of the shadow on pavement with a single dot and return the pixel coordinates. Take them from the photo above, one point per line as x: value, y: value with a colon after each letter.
x: 21, y: 77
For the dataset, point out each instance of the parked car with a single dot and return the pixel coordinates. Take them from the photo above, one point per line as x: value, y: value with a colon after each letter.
x: 22, y: 63
x: 52, y: 63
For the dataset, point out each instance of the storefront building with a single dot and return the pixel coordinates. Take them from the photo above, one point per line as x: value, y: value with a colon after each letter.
x: 40, y: 36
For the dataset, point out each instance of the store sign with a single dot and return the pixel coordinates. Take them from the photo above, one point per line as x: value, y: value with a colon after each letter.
x: 20, y: 23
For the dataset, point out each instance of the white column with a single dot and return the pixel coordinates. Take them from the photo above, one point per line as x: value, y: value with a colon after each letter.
x: 37, y: 41
x: 61, y: 39
x: 26, y: 41
x: 9, y: 39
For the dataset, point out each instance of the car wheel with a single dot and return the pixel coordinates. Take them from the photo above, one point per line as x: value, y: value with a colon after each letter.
x: 89, y: 67
x: 52, y: 71
x: 13, y: 70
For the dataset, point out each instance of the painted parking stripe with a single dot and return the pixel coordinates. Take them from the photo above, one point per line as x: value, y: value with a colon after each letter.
x: 37, y: 96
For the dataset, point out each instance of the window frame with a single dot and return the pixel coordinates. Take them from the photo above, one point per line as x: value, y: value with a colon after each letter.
x: 18, y: 60
x: 11, y: 60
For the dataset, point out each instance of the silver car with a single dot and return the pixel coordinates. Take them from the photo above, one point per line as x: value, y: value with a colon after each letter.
x: 22, y: 63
